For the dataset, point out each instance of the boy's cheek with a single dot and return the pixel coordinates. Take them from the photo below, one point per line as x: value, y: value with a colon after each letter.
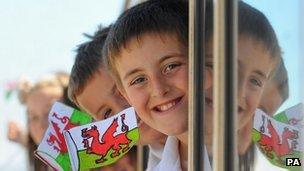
x: 133, y: 97
x: 254, y: 102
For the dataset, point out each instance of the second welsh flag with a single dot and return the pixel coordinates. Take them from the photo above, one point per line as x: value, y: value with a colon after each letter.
x: 52, y: 150
x: 104, y: 142
x: 277, y: 140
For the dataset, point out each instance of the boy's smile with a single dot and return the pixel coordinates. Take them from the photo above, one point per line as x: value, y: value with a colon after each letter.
x: 154, y: 77
x: 167, y: 105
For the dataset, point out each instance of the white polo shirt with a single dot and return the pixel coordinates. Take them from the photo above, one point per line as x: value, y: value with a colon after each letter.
x: 170, y: 159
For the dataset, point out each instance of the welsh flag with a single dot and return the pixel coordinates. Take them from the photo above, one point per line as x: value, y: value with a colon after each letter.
x: 53, y: 149
x: 292, y: 116
x: 104, y: 142
x: 279, y: 140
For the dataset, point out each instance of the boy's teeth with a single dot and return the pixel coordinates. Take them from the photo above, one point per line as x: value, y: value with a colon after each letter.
x: 165, y: 106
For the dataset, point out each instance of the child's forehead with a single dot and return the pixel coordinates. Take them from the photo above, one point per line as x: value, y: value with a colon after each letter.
x: 137, y: 40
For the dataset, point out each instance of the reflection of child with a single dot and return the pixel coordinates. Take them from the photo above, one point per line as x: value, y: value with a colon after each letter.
x: 258, y: 54
x: 95, y: 92
x: 276, y: 90
x: 147, y: 54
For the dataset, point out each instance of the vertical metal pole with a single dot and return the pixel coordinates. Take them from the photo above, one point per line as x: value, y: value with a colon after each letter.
x: 140, y: 157
x: 126, y: 5
x: 196, y: 97
x: 225, y: 79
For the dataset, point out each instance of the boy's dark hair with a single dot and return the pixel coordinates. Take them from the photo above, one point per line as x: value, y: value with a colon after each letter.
x: 280, y: 80
x: 87, y: 62
x: 251, y: 22
x: 153, y: 16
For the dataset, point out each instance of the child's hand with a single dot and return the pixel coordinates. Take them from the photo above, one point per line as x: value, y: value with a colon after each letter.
x: 16, y: 133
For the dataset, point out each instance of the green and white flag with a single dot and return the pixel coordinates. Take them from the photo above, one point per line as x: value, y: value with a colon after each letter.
x: 292, y: 116
x: 279, y: 140
x: 53, y: 149
x: 104, y: 142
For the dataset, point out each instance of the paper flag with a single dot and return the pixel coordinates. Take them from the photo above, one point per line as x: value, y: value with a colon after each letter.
x: 104, y: 142
x: 53, y: 149
x: 292, y: 116
x: 277, y: 140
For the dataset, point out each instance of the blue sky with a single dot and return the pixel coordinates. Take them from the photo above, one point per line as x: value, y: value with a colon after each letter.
x: 38, y: 37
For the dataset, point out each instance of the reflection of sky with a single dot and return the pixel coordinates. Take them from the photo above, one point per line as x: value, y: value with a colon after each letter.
x: 39, y: 37
x: 284, y: 17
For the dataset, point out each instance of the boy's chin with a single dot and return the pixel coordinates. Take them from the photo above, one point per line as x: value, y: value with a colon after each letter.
x: 244, y: 138
x: 243, y: 147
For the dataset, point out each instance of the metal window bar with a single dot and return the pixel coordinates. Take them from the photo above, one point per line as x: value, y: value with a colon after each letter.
x: 225, y: 78
x: 140, y: 156
x: 196, y: 95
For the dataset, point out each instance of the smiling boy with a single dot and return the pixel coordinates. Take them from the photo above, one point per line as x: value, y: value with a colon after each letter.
x: 147, y: 53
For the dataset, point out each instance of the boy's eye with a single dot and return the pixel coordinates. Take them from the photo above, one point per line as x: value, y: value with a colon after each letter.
x: 138, y: 80
x: 170, y: 67
x: 209, y: 65
x: 256, y: 82
x: 107, y: 113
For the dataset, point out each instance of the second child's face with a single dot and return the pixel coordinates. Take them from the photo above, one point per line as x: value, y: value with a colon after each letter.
x: 101, y: 99
x: 154, y: 76
x: 38, y: 105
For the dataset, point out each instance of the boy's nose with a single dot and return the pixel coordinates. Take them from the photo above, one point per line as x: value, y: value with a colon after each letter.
x: 159, y: 87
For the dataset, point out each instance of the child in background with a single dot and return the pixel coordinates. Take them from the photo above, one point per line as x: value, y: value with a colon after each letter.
x: 38, y: 99
x: 258, y: 55
x: 276, y: 90
x: 147, y: 53
x: 94, y: 91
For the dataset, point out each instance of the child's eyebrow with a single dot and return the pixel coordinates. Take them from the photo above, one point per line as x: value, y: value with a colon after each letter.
x: 259, y: 72
x: 170, y: 56
x: 132, y: 72
x: 262, y: 74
